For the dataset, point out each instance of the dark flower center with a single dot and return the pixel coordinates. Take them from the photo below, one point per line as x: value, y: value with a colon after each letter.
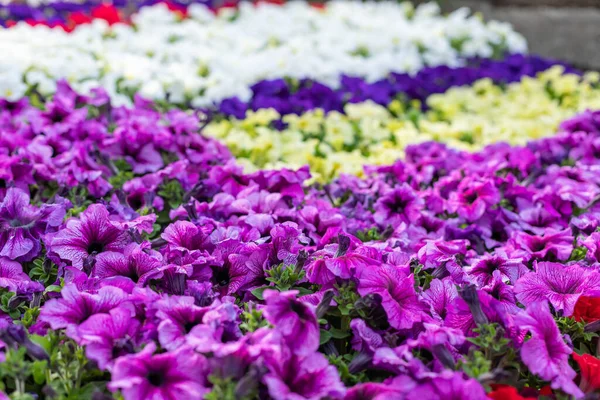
x: 221, y: 276
x: 155, y: 378
x: 189, y: 326
x: 95, y: 247
x: 399, y: 204
x: 298, y: 309
x: 538, y: 246
x: 470, y: 197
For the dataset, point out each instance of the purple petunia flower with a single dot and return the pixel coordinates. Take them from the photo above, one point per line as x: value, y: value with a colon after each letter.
x: 91, y: 234
x: 295, y: 319
x: 552, y: 246
x: 177, y: 316
x: 473, y: 197
x: 292, y: 376
x: 76, y: 307
x: 109, y: 336
x: 546, y: 354
x: 561, y: 285
x: 15, y: 280
x: 397, y: 291
x: 174, y: 375
x: 138, y: 263
x: 399, y: 205
x: 22, y: 225
x: 448, y: 385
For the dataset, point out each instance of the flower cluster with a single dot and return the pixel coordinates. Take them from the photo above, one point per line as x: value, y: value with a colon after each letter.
x: 69, y: 14
x: 206, y: 58
x: 298, y: 96
x: 468, y: 118
x: 138, y: 259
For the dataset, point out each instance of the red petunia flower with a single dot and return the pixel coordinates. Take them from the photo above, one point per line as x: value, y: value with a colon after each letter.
x: 506, y: 392
x: 178, y: 9
x: 587, y: 309
x: 79, y: 18
x: 590, y: 372
x: 107, y: 12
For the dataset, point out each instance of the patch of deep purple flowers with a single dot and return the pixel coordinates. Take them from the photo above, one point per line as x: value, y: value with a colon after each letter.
x: 443, y: 275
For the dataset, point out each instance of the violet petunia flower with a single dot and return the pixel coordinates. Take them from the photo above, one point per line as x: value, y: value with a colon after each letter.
x: 295, y: 319
x: 473, y: 198
x: 399, y: 205
x: 546, y: 354
x: 292, y: 376
x: 178, y: 315
x: 76, y: 307
x: 109, y: 336
x: 137, y: 262
x: 397, y: 291
x: 448, y: 385
x: 562, y: 285
x: 552, y: 246
x: 22, y: 225
x: 90, y: 235
x: 15, y: 280
x: 174, y: 375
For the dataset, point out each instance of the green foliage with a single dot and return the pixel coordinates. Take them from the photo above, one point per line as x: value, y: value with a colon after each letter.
x: 492, y: 351
x: 252, y: 319
x: 67, y: 375
x: 125, y: 174
x: 172, y: 192
x: 342, y: 363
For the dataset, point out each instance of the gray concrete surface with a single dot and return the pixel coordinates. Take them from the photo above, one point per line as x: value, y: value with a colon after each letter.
x: 553, y: 28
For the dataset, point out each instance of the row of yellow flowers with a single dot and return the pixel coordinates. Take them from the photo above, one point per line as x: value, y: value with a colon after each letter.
x: 369, y: 134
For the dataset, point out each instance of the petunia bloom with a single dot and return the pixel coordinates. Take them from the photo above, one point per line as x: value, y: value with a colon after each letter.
x: 15, y: 280
x: 109, y: 336
x: 397, y: 290
x: 76, y: 307
x: 587, y: 309
x: 22, y: 225
x: 168, y: 376
x: 91, y: 234
x: 589, y: 367
x: 295, y: 319
x: 546, y: 354
x: 561, y: 285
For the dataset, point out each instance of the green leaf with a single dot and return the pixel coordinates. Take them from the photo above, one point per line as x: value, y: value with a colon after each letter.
x: 38, y: 370
x: 258, y: 292
x: 325, y: 336
x: 338, y: 333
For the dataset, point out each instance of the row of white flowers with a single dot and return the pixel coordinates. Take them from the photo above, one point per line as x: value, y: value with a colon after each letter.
x: 206, y: 58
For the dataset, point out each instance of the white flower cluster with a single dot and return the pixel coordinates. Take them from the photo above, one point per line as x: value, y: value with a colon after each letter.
x: 206, y: 58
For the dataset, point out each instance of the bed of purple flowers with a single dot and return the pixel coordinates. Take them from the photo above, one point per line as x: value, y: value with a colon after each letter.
x: 140, y: 262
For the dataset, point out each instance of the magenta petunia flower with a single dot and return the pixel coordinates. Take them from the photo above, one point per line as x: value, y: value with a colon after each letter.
x: 482, y: 269
x: 399, y: 205
x: 76, y: 307
x: 439, y: 295
x: 109, y: 336
x: 473, y: 197
x: 448, y: 385
x: 15, y: 280
x: 22, y: 225
x: 138, y: 263
x: 174, y: 375
x: 292, y: 376
x: 546, y: 354
x: 561, y: 285
x: 177, y: 316
x: 552, y: 246
x: 295, y: 319
x: 397, y: 291
x: 91, y: 234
